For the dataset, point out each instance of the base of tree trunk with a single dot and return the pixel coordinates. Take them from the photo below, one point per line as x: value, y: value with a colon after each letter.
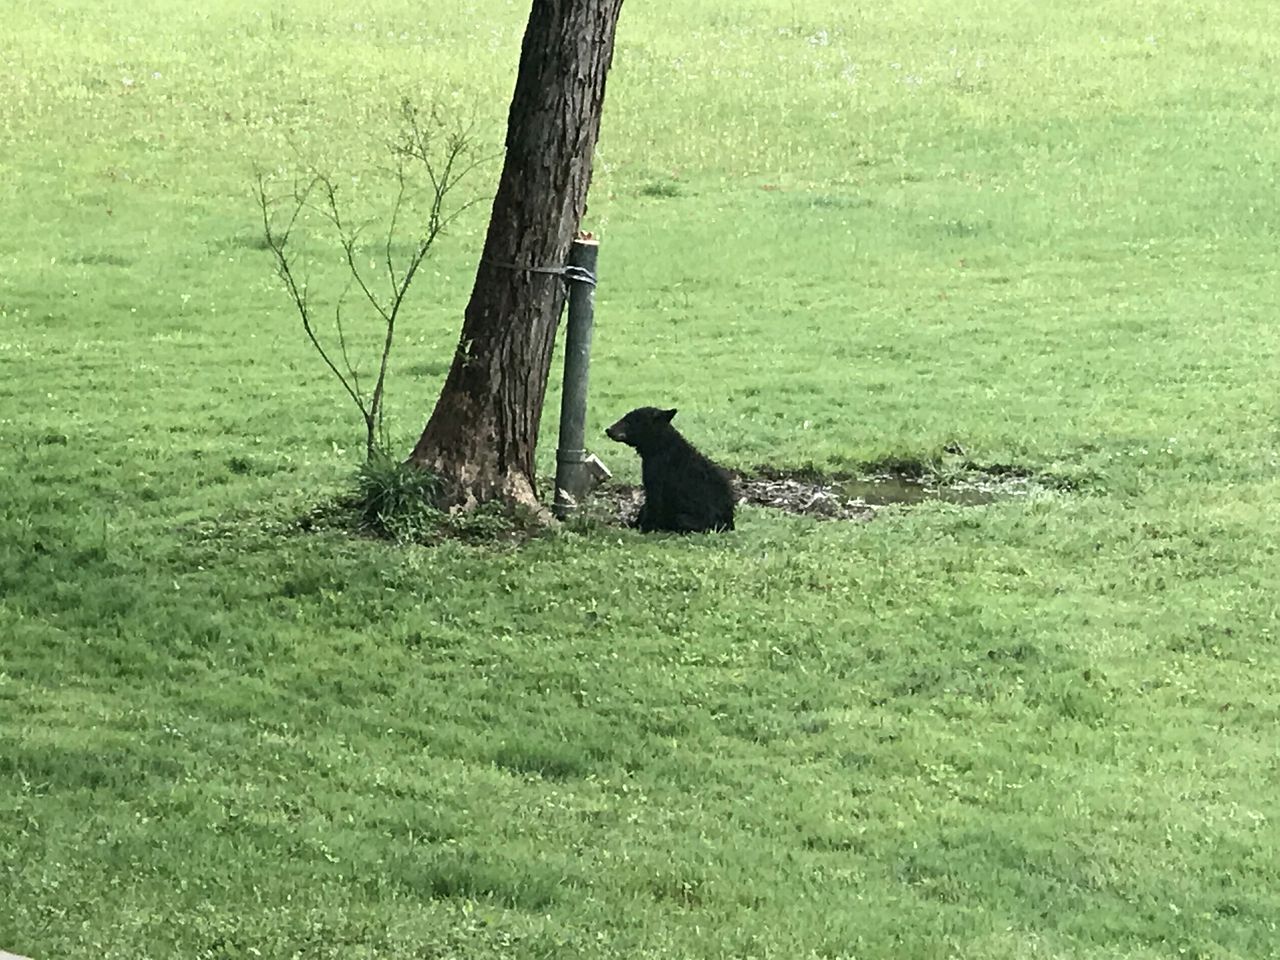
x: 468, y: 476
x: 466, y: 486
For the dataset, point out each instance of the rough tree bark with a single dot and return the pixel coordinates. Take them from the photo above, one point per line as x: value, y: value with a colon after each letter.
x: 481, y: 437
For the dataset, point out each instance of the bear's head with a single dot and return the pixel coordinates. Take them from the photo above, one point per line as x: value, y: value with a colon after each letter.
x: 640, y: 426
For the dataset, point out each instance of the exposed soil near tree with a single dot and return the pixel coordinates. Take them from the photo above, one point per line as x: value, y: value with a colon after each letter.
x: 835, y: 498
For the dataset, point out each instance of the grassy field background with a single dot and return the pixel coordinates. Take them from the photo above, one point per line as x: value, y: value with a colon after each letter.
x: 1044, y: 728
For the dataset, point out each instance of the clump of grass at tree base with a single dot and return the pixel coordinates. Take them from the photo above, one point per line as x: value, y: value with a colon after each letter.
x: 395, y: 499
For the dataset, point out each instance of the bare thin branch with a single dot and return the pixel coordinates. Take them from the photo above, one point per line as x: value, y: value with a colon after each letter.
x: 443, y: 156
x: 401, y: 186
x: 296, y: 291
x: 346, y: 359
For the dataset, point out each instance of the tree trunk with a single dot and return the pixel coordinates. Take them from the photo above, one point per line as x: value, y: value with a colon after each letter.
x: 481, y: 437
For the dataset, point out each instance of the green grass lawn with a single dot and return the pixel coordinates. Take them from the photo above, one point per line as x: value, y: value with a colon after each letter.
x: 833, y: 234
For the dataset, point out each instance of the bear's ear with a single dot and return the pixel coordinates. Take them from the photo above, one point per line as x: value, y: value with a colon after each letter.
x: 668, y: 414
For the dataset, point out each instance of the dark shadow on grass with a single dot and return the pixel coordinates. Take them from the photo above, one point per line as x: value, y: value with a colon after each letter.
x: 450, y: 873
x: 103, y: 260
x: 551, y: 761
x: 428, y: 368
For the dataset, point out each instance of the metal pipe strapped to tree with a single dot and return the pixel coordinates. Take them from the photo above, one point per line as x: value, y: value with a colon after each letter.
x: 577, y: 472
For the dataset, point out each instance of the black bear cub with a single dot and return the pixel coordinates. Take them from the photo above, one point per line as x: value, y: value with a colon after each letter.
x: 684, y: 492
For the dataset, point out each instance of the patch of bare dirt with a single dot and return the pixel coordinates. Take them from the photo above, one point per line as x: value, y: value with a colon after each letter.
x: 830, y: 498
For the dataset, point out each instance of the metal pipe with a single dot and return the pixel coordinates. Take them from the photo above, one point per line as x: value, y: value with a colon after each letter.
x: 577, y: 472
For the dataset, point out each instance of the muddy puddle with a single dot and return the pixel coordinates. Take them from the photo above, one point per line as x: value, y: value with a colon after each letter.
x: 836, y: 499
